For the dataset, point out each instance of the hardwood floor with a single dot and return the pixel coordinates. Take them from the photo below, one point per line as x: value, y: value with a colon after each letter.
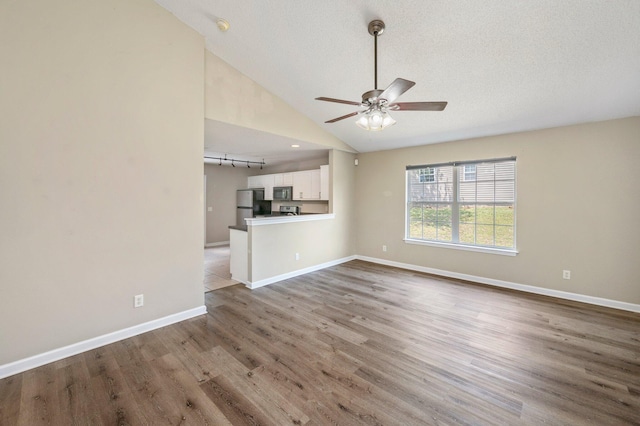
x: 357, y: 343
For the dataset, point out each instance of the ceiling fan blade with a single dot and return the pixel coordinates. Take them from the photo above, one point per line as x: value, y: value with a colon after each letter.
x: 418, y: 106
x: 395, y: 89
x: 343, y: 117
x: 339, y: 101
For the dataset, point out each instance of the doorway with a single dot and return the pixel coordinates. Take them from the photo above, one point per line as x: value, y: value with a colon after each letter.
x: 216, y: 268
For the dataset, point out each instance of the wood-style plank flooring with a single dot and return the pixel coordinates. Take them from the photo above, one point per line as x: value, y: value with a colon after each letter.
x: 353, y: 344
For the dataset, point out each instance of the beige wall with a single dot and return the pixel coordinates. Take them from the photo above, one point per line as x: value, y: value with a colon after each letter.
x: 273, y: 247
x: 222, y: 184
x: 577, y: 208
x: 232, y: 97
x: 100, y: 170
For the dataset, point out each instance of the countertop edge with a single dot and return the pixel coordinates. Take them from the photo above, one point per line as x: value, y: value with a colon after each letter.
x: 288, y: 219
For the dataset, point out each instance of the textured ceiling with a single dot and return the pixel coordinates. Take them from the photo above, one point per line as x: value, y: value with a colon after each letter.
x: 504, y: 66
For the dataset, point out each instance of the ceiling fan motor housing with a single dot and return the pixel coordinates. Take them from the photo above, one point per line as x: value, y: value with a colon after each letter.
x: 371, y: 97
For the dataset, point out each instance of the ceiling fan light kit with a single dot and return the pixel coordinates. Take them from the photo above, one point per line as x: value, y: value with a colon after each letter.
x: 377, y: 102
x: 375, y: 120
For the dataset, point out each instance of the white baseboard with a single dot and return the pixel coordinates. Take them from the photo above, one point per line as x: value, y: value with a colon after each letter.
x: 21, y: 365
x: 271, y: 280
x: 219, y: 243
x: 514, y: 286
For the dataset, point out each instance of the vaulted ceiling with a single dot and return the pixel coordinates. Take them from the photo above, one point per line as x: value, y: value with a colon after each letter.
x: 503, y: 66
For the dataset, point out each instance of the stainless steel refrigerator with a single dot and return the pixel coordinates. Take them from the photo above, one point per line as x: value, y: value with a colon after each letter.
x: 250, y: 203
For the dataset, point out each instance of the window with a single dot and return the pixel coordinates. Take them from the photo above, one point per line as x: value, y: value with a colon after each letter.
x: 427, y: 175
x: 465, y: 204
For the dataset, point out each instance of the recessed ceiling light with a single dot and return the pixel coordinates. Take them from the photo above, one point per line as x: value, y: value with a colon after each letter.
x: 222, y: 24
x: 295, y: 146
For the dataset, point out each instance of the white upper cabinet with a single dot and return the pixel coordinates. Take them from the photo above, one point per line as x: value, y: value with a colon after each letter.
x: 267, y: 184
x: 301, y: 184
x: 283, y: 179
x: 263, y: 181
x: 315, y: 185
x: 254, y: 182
x: 307, y: 184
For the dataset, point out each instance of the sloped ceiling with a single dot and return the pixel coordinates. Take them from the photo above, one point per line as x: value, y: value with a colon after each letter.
x: 503, y: 66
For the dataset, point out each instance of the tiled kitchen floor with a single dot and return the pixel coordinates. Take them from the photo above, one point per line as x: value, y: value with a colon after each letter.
x: 216, y: 268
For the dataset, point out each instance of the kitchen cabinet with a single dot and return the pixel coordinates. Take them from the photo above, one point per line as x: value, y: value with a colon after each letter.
x: 315, y: 184
x: 283, y: 179
x: 267, y: 184
x: 324, y: 182
x: 306, y: 185
x: 263, y: 181
x: 253, y: 182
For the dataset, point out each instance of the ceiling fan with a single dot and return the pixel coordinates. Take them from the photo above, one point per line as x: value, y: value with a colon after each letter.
x: 377, y: 102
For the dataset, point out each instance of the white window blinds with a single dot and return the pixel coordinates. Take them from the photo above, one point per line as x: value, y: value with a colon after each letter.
x: 468, y: 203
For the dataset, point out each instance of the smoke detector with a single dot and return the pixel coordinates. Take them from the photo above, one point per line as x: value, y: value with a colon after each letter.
x: 223, y: 25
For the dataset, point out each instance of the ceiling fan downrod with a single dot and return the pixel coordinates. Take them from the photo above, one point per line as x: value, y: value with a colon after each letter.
x: 376, y: 28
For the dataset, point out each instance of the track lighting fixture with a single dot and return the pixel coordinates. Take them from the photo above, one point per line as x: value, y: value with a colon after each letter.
x: 233, y: 161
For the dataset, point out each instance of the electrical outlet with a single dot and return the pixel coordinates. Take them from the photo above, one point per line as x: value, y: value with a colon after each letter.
x: 138, y: 300
x: 566, y: 274
x: 384, y: 248
x: 297, y: 256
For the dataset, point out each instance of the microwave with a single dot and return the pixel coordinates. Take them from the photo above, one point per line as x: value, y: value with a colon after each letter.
x: 282, y: 193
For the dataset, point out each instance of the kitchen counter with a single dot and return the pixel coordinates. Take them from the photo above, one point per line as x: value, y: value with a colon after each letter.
x: 275, y: 215
x: 274, y: 219
x: 278, y: 214
x: 246, y: 246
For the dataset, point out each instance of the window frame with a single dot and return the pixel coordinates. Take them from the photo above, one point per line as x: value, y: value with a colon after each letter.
x: 465, y: 173
x: 431, y: 175
x: 460, y: 175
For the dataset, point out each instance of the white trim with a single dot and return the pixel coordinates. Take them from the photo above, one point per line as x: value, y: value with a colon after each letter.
x: 259, y: 221
x: 507, y: 284
x: 246, y: 283
x: 271, y: 280
x: 221, y: 243
x: 21, y: 365
x: 457, y: 246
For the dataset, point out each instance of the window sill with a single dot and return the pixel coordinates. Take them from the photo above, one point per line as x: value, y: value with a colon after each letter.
x: 491, y: 250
